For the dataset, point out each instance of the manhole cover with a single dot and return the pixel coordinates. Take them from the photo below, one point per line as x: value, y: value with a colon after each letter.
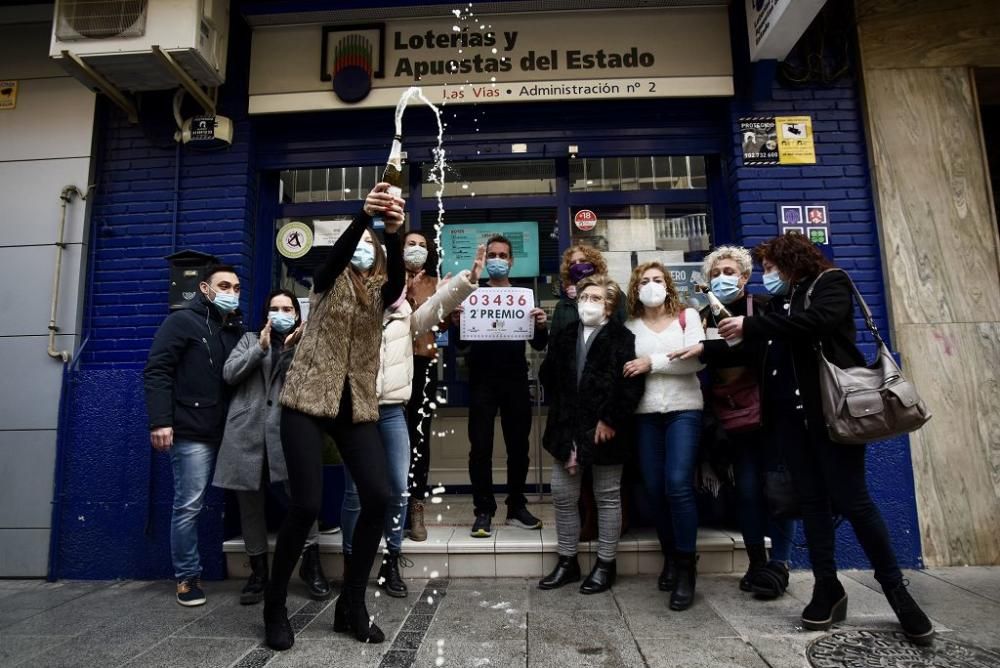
x: 891, y: 649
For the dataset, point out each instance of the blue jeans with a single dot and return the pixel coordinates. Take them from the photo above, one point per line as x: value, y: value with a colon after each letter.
x: 396, y: 440
x: 755, y: 520
x: 668, y: 453
x: 192, y: 465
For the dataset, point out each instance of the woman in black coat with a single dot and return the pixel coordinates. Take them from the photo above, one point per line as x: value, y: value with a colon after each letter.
x: 828, y: 477
x: 591, y: 406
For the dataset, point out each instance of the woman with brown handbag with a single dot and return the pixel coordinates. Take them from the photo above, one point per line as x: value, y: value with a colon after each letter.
x: 735, y: 396
x: 829, y: 477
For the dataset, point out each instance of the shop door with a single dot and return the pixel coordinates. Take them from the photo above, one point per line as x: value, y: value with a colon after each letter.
x: 644, y: 207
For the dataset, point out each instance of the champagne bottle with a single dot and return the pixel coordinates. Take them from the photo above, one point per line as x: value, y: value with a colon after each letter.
x: 720, y: 312
x: 393, y: 172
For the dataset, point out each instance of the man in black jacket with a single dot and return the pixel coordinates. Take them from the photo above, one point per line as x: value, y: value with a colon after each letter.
x: 498, y: 381
x: 187, y: 400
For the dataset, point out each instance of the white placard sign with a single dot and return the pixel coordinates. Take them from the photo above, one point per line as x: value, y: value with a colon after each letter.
x: 326, y: 232
x: 498, y: 314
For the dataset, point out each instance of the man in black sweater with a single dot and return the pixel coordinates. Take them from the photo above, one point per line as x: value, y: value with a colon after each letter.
x: 187, y: 401
x: 498, y: 380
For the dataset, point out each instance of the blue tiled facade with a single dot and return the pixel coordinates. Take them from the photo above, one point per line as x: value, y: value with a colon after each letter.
x: 113, y: 504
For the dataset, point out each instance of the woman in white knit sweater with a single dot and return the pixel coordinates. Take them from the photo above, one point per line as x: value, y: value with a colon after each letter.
x: 668, y: 420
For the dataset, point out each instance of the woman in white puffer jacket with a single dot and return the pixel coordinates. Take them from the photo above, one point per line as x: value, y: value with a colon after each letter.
x: 395, y: 379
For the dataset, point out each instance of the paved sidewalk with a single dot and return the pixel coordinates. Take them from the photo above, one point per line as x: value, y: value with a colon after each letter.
x: 496, y: 622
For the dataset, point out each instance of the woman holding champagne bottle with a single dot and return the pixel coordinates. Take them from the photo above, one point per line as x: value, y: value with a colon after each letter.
x: 331, y: 389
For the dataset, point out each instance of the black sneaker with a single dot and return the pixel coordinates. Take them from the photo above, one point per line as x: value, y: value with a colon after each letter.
x: 190, y: 593
x: 481, y: 527
x: 520, y: 517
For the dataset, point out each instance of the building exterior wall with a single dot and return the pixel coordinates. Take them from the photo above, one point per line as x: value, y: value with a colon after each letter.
x: 941, y: 266
x: 115, y: 495
x: 45, y: 145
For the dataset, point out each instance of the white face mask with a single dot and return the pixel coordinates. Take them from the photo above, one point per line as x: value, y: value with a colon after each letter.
x: 591, y: 314
x: 415, y: 257
x: 653, y: 294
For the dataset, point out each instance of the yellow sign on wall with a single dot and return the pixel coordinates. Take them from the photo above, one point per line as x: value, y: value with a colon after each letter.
x: 8, y: 94
x: 795, y: 140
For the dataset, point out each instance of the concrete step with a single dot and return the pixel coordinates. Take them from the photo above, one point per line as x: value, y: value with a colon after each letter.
x: 450, y: 552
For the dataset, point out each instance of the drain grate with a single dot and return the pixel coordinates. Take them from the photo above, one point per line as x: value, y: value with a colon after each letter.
x: 891, y: 649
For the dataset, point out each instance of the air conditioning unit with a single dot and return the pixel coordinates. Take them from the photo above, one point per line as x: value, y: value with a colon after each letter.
x: 116, y: 38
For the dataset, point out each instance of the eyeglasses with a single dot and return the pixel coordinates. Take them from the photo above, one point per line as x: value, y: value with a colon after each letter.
x: 593, y: 299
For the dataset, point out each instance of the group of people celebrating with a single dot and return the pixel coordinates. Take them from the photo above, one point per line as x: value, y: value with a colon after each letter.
x: 626, y: 375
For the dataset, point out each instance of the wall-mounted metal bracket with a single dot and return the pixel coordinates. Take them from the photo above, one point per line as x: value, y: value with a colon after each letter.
x: 185, y: 80
x: 89, y: 74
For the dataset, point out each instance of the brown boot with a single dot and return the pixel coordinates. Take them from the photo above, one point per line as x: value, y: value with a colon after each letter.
x: 418, y: 532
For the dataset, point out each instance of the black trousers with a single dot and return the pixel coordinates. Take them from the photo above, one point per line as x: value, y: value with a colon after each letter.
x: 363, y: 455
x: 829, y: 479
x: 512, y: 399
x: 418, y: 421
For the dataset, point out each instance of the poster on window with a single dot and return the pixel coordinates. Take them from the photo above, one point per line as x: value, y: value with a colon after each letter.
x: 498, y: 314
x: 760, y: 141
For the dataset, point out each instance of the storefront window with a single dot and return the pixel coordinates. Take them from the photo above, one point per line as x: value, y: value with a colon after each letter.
x: 683, y: 172
x: 331, y: 184
x: 494, y: 178
x: 627, y: 236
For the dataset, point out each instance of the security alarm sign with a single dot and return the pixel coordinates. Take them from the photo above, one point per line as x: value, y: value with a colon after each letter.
x: 498, y: 314
x: 585, y: 220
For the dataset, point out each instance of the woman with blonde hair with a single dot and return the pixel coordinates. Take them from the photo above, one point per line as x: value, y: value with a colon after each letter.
x: 578, y: 262
x: 669, y: 420
x: 728, y: 269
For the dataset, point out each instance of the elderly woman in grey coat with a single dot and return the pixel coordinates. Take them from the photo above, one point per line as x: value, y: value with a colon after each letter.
x: 251, y: 457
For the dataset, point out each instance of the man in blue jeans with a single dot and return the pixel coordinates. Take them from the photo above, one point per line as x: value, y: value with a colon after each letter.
x: 187, y: 401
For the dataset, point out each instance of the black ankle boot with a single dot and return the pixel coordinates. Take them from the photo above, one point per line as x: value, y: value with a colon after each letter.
x: 311, y: 572
x: 687, y: 573
x: 253, y: 590
x: 771, y: 581
x: 360, y: 622
x: 915, y: 624
x: 566, y: 571
x: 389, y: 578
x: 828, y: 605
x: 342, y: 613
x: 668, y: 576
x: 601, y: 577
x: 277, y: 631
x: 757, y: 554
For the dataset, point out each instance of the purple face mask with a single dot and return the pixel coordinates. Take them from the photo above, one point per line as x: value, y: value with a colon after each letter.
x: 580, y: 271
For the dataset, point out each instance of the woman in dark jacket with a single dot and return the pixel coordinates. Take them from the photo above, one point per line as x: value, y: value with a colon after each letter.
x: 589, y: 426
x: 728, y: 269
x: 829, y: 477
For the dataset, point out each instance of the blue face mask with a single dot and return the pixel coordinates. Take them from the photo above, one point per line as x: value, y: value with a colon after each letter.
x: 726, y: 288
x: 225, y: 302
x: 775, y: 284
x: 281, y: 322
x: 497, y: 268
x: 364, y: 256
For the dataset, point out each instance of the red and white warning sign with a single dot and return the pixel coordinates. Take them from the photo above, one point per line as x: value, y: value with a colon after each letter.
x: 585, y: 220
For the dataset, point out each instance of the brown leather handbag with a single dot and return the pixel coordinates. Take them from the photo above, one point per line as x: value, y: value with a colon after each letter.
x: 867, y: 403
x: 737, y: 402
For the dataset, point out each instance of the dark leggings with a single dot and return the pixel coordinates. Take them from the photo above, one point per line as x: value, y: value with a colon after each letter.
x: 830, y: 478
x: 362, y: 453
